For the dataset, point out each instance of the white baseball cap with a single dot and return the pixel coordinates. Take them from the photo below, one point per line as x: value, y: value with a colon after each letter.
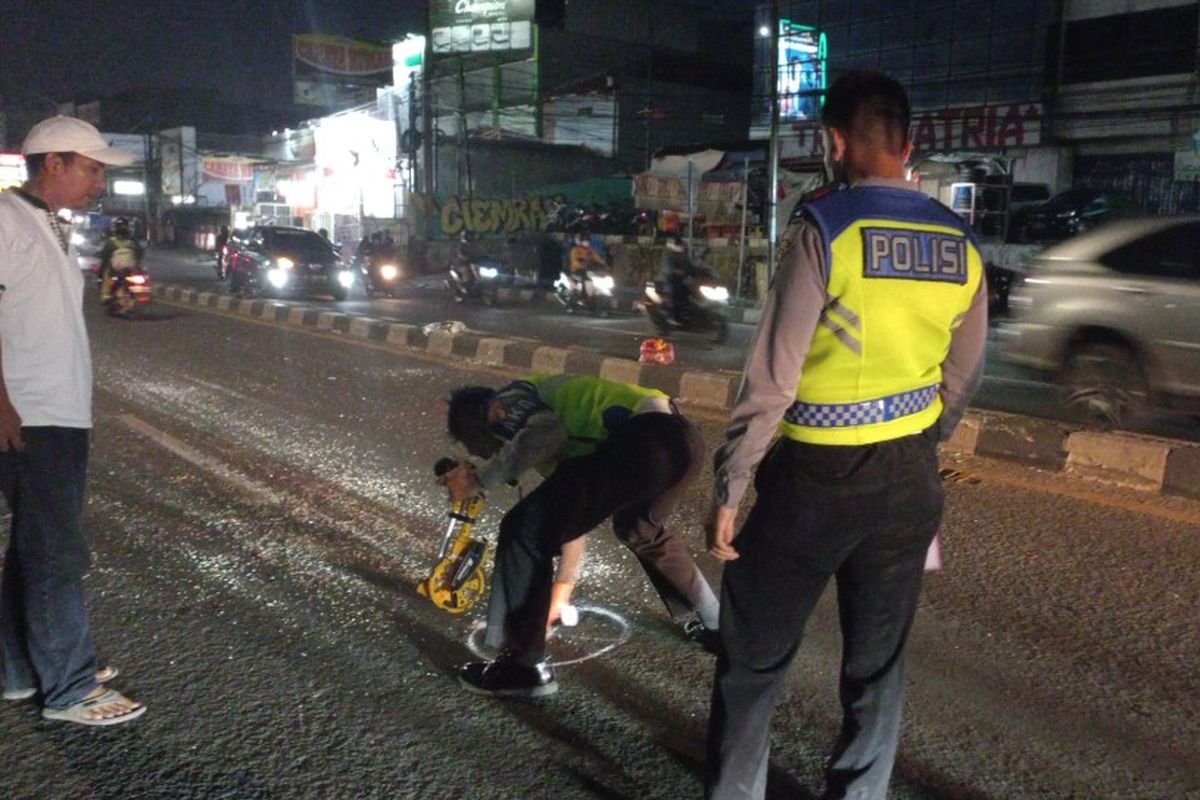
x: 70, y: 135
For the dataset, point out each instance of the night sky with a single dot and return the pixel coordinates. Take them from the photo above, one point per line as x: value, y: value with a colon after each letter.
x: 52, y: 51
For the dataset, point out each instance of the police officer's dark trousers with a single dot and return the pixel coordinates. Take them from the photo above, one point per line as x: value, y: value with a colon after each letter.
x: 864, y: 515
x: 636, y: 476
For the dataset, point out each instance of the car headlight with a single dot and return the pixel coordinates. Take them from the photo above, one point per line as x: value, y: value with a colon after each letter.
x: 604, y: 283
x: 346, y: 278
x: 389, y: 272
x: 283, y: 262
x: 277, y: 277
x: 717, y: 294
x: 488, y: 272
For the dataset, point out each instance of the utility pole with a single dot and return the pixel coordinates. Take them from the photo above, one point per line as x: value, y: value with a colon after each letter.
x: 428, y: 184
x: 413, y: 139
x: 773, y: 148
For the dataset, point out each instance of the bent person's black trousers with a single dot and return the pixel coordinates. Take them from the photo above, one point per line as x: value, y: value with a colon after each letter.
x: 865, y: 516
x: 636, y: 476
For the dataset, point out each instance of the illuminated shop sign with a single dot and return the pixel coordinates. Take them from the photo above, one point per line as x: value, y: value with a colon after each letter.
x: 472, y: 26
x: 802, y: 56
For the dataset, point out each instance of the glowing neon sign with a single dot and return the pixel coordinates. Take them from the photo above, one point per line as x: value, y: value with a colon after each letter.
x: 802, y: 56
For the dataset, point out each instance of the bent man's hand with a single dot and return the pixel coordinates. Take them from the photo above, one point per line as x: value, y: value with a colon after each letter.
x: 461, y: 482
x: 10, y: 429
x: 720, y: 531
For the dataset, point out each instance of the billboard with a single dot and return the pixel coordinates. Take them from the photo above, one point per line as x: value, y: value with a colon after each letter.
x: 802, y: 54
x: 475, y: 26
x: 336, y: 72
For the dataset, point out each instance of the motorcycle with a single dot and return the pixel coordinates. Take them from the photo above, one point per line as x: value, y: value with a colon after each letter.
x: 130, y: 289
x: 382, y: 276
x: 592, y: 291
x: 481, y: 279
x: 706, y: 313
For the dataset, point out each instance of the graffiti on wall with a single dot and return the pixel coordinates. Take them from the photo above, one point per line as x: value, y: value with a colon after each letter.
x: 495, y: 216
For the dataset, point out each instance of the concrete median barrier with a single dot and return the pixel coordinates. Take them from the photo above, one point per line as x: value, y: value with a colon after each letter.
x: 1148, y: 463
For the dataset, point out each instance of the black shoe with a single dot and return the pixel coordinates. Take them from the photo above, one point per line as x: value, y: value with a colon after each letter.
x: 707, y: 638
x: 505, y: 677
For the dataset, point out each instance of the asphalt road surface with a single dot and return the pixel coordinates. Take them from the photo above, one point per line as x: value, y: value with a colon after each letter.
x: 261, y: 505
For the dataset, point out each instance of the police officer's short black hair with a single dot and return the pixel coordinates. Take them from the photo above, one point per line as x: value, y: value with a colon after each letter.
x: 868, y: 104
x: 467, y: 420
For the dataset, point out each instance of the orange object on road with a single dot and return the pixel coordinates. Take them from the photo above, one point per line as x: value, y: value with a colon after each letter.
x: 657, y: 351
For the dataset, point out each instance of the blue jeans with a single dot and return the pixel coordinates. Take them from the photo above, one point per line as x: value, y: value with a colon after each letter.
x: 43, y: 621
x: 864, y: 516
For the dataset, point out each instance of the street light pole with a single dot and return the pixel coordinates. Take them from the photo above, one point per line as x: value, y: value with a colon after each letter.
x: 773, y: 147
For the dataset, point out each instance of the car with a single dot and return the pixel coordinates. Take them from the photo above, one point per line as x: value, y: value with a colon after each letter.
x: 1114, y: 316
x: 280, y: 260
x: 1074, y: 211
x: 1023, y: 198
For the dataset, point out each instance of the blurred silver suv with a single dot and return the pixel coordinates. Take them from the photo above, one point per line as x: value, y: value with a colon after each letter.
x: 1114, y: 316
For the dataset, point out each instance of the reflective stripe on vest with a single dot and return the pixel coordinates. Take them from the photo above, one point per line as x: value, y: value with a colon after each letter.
x: 883, y: 409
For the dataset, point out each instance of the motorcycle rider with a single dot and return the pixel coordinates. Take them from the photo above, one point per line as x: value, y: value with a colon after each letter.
x: 382, y: 251
x: 120, y: 254
x: 222, y: 240
x: 581, y: 258
x: 608, y: 450
x: 676, y: 276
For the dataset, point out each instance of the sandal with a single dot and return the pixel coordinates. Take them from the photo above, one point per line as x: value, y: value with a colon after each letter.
x: 103, y: 676
x: 91, y: 710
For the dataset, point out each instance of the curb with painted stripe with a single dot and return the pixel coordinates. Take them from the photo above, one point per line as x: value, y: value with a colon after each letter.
x: 1167, y: 466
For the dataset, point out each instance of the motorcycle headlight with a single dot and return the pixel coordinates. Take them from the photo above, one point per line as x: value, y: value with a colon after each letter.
x: 283, y: 262
x: 346, y: 278
x: 389, y: 272
x: 717, y: 294
x: 277, y: 277
x: 77, y: 239
x: 488, y: 272
x: 604, y: 283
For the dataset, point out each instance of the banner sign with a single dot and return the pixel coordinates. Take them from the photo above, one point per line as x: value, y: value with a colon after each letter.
x: 973, y: 129
x: 473, y: 26
x: 227, y: 170
x: 335, y: 71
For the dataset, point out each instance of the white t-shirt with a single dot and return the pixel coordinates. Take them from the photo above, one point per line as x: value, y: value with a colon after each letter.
x: 43, y: 341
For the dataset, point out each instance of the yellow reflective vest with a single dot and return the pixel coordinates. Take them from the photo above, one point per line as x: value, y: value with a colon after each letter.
x: 901, y: 272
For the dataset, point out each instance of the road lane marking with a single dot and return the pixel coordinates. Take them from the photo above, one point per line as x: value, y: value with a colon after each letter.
x: 204, y: 462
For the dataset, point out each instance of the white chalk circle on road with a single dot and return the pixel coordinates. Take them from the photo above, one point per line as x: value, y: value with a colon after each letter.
x: 599, y: 631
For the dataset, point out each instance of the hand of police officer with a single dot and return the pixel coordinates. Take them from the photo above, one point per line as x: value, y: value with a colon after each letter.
x: 720, y: 530
x: 461, y: 482
x: 10, y: 428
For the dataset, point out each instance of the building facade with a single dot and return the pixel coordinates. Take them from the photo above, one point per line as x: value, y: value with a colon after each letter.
x: 1091, y: 93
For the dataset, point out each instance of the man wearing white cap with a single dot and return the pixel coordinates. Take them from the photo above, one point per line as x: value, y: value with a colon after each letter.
x: 45, y: 423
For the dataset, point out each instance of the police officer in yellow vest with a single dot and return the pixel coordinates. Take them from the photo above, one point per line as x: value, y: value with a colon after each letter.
x: 608, y: 450
x: 870, y: 345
